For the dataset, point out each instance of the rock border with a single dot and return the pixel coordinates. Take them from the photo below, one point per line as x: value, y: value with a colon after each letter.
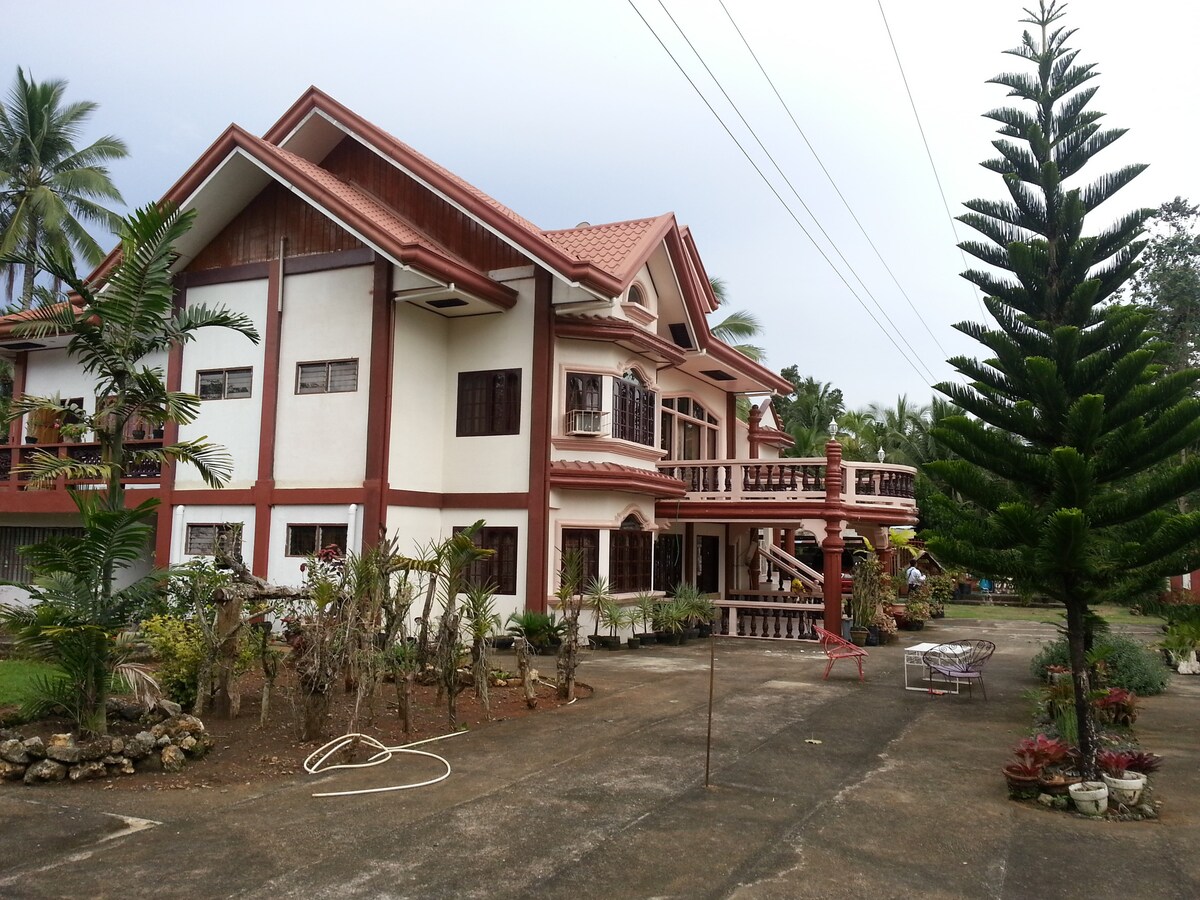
x: 164, y: 747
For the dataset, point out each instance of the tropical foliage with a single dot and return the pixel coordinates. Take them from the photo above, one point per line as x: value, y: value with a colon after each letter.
x: 1065, y: 423
x: 50, y: 188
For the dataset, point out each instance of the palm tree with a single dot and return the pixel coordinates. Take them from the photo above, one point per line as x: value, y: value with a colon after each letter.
x: 112, y: 328
x: 897, y: 428
x: 48, y: 187
x: 737, y: 327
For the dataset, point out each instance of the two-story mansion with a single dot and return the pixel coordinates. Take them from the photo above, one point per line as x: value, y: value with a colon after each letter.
x: 430, y: 358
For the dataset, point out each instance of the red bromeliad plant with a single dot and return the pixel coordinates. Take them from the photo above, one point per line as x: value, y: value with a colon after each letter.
x: 1043, y: 750
x: 1143, y: 763
x: 1113, y: 763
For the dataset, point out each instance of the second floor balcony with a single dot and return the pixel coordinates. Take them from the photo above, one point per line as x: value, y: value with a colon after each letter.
x: 13, y: 457
x: 864, y: 485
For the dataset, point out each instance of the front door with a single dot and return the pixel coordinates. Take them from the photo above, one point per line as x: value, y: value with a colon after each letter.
x: 708, y: 563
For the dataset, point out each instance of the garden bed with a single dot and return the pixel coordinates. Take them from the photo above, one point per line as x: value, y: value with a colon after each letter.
x: 243, y: 752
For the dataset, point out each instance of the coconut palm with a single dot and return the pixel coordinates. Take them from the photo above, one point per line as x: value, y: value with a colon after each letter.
x: 49, y: 188
x: 737, y: 327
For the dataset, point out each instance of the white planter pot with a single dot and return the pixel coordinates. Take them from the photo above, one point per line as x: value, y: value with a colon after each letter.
x: 1090, y: 797
x: 1127, y: 790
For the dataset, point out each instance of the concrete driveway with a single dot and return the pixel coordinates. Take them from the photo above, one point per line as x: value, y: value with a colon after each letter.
x: 819, y: 789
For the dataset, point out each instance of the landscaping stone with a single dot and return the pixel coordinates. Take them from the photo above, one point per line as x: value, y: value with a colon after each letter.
x: 45, y: 770
x: 116, y: 746
x: 139, y: 745
x: 173, y: 759
x: 170, y: 707
x: 35, y: 747
x: 14, y: 751
x: 87, y: 770
x: 11, y: 771
x: 188, y: 744
x: 94, y: 749
x: 123, y: 766
x: 62, y: 748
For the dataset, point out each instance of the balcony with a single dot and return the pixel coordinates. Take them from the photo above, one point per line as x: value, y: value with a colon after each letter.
x: 866, y: 487
x: 146, y: 472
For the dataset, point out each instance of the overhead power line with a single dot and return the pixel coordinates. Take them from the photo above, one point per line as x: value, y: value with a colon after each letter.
x: 787, y: 109
x: 909, y: 359
x: 928, y: 152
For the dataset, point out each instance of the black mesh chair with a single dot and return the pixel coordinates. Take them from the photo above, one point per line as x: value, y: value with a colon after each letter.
x: 959, y: 662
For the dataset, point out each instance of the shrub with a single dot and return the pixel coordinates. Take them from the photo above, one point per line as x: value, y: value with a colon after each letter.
x: 1127, y: 664
x: 179, y: 648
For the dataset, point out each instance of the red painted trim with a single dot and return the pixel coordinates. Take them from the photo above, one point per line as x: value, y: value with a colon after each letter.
x: 20, y: 371
x: 268, y: 421
x: 629, y: 481
x: 433, y: 500
x: 163, y: 533
x: 273, y: 496
x: 541, y: 414
x: 226, y: 274
x: 379, y: 397
x: 618, y: 330
x: 325, y: 262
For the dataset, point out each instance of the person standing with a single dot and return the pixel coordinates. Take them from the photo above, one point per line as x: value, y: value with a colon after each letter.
x: 914, y: 576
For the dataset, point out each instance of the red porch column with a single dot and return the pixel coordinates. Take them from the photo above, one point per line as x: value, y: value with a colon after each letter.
x: 833, y: 544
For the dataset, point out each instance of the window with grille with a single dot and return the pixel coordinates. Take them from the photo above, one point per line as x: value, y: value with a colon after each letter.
x: 12, y: 538
x: 224, y: 384
x: 332, y: 376
x: 633, y: 410
x: 583, y: 391
x: 499, y: 569
x: 201, y: 540
x: 489, y: 402
x: 305, y: 540
x: 586, y: 543
x: 630, y: 557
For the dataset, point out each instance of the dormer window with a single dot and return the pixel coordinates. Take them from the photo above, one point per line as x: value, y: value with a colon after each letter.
x: 636, y: 295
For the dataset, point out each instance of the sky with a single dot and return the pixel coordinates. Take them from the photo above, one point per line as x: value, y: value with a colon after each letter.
x: 573, y: 112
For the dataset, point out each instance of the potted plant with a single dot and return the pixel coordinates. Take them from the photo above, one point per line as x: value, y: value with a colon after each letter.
x: 1089, y: 797
x: 644, y: 606
x: 668, y: 622
x: 1022, y: 777
x: 941, y: 592
x: 865, y: 596
x: 598, y: 595
x: 884, y: 624
x: 916, y: 610
x: 691, y: 605
x: 1123, y: 785
x: 613, y: 617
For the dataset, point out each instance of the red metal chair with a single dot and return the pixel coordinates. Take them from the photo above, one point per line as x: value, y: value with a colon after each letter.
x: 836, y: 648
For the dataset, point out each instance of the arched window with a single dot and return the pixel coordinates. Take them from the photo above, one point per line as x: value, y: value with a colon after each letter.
x: 636, y: 295
x: 633, y: 409
x: 630, y: 557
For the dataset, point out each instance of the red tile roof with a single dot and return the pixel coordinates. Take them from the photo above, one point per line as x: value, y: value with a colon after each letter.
x: 617, y: 248
x: 609, y: 476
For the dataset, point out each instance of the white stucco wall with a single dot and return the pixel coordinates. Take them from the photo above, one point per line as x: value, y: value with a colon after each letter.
x: 321, y: 438
x: 420, y: 399
x: 284, y: 569
x: 491, y: 463
x: 182, y: 516
x: 233, y: 424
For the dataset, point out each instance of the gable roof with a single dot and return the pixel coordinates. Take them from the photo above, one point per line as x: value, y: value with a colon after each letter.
x: 602, y: 258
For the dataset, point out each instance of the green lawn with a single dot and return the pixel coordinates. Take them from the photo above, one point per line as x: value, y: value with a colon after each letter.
x: 15, y: 675
x: 1117, y: 615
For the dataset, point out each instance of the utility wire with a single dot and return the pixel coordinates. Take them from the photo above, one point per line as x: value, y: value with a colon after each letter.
x: 829, y: 177
x: 792, y: 188
x: 928, y: 152
x: 774, y: 191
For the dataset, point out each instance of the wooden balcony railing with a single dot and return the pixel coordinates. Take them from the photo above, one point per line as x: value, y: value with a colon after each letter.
x: 14, y: 455
x: 863, y: 483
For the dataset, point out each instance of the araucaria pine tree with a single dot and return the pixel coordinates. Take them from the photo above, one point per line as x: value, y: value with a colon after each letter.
x: 1064, y: 473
